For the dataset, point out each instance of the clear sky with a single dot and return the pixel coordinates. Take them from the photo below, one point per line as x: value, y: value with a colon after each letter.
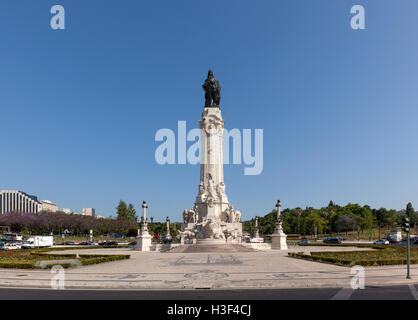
x: 79, y: 108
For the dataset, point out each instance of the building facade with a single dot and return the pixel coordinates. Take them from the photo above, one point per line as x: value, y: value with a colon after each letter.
x: 89, y: 212
x: 18, y: 201
x: 48, y: 206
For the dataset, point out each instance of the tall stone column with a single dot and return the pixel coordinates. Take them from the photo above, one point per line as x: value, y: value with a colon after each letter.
x: 144, y: 222
x: 212, y: 219
x: 167, y: 233
x: 211, y: 200
x: 143, y: 242
x: 278, y: 238
x: 256, y: 231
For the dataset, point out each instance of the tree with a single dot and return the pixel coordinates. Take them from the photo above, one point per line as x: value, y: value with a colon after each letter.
x: 131, y: 213
x: 345, y: 223
x: 122, y: 210
x: 409, y: 210
x: 381, y: 216
x: 315, y: 223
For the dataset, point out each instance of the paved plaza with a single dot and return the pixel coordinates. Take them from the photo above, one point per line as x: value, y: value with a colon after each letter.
x: 211, y: 270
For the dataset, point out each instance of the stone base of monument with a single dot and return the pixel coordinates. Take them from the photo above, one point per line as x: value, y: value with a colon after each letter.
x: 210, y: 242
x: 230, y: 231
x: 143, y: 243
x: 278, y: 241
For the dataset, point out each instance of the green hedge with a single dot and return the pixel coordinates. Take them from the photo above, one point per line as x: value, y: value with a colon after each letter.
x: 350, y: 262
x: 27, y: 260
x: 17, y: 265
x: 78, y: 248
x: 96, y: 260
x: 359, y: 245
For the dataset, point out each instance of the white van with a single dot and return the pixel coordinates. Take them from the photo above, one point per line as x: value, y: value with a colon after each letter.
x: 38, y: 242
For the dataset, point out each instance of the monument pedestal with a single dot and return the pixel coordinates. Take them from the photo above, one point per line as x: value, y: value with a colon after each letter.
x: 278, y: 241
x: 143, y: 242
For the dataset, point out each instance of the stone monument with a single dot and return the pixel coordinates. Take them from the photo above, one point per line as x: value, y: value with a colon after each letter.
x: 212, y: 220
x: 256, y: 230
x: 278, y: 238
x: 143, y: 242
x: 167, y: 233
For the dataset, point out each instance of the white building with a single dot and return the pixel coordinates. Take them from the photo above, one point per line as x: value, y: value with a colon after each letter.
x: 89, y: 212
x: 48, y: 206
x: 19, y: 201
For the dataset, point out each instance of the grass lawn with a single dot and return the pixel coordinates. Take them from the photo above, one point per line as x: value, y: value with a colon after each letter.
x: 380, y: 256
x: 26, y: 259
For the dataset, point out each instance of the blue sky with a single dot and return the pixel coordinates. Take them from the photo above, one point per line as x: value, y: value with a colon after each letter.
x: 79, y: 108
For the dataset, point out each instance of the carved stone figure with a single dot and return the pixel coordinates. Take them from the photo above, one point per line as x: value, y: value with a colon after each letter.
x: 186, y: 216
x: 229, y: 214
x: 231, y: 234
x: 190, y: 216
x: 221, y: 189
x: 188, y: 234
x: 193, y: 215
x: 211, y: 188
x: 216, y: 230
x: 202, y: 188
x: 212, y: 91
x: 237, y: 217
x: 211, y: 230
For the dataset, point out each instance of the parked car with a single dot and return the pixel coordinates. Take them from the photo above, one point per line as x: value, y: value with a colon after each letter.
x: 12, y: 246
x: 381, y: 242
x: 167, y: 240
x: 303, y: 241
x: 108, y: 243
x: 88, y: 243
x: 332, y: 240
x: 132, y: 244
x: 11, y: 236
x: 412, y: 239
x: 70, y: 243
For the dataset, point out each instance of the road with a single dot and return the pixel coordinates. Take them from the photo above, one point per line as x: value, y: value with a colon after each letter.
x: 405, y: 292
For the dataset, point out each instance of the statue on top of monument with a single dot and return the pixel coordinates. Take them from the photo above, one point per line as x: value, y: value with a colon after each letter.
x: 212, y: 91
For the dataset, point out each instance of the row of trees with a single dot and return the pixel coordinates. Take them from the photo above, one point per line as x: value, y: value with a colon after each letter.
x: 126, y: 223
x: 332, y: 219
x: 59, y: 222
x: 309, y: 221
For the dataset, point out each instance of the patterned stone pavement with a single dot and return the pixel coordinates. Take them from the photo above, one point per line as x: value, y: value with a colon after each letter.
x: 225, y: 270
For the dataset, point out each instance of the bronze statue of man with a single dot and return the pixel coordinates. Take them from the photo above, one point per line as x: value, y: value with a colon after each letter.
x: 212, y: 91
